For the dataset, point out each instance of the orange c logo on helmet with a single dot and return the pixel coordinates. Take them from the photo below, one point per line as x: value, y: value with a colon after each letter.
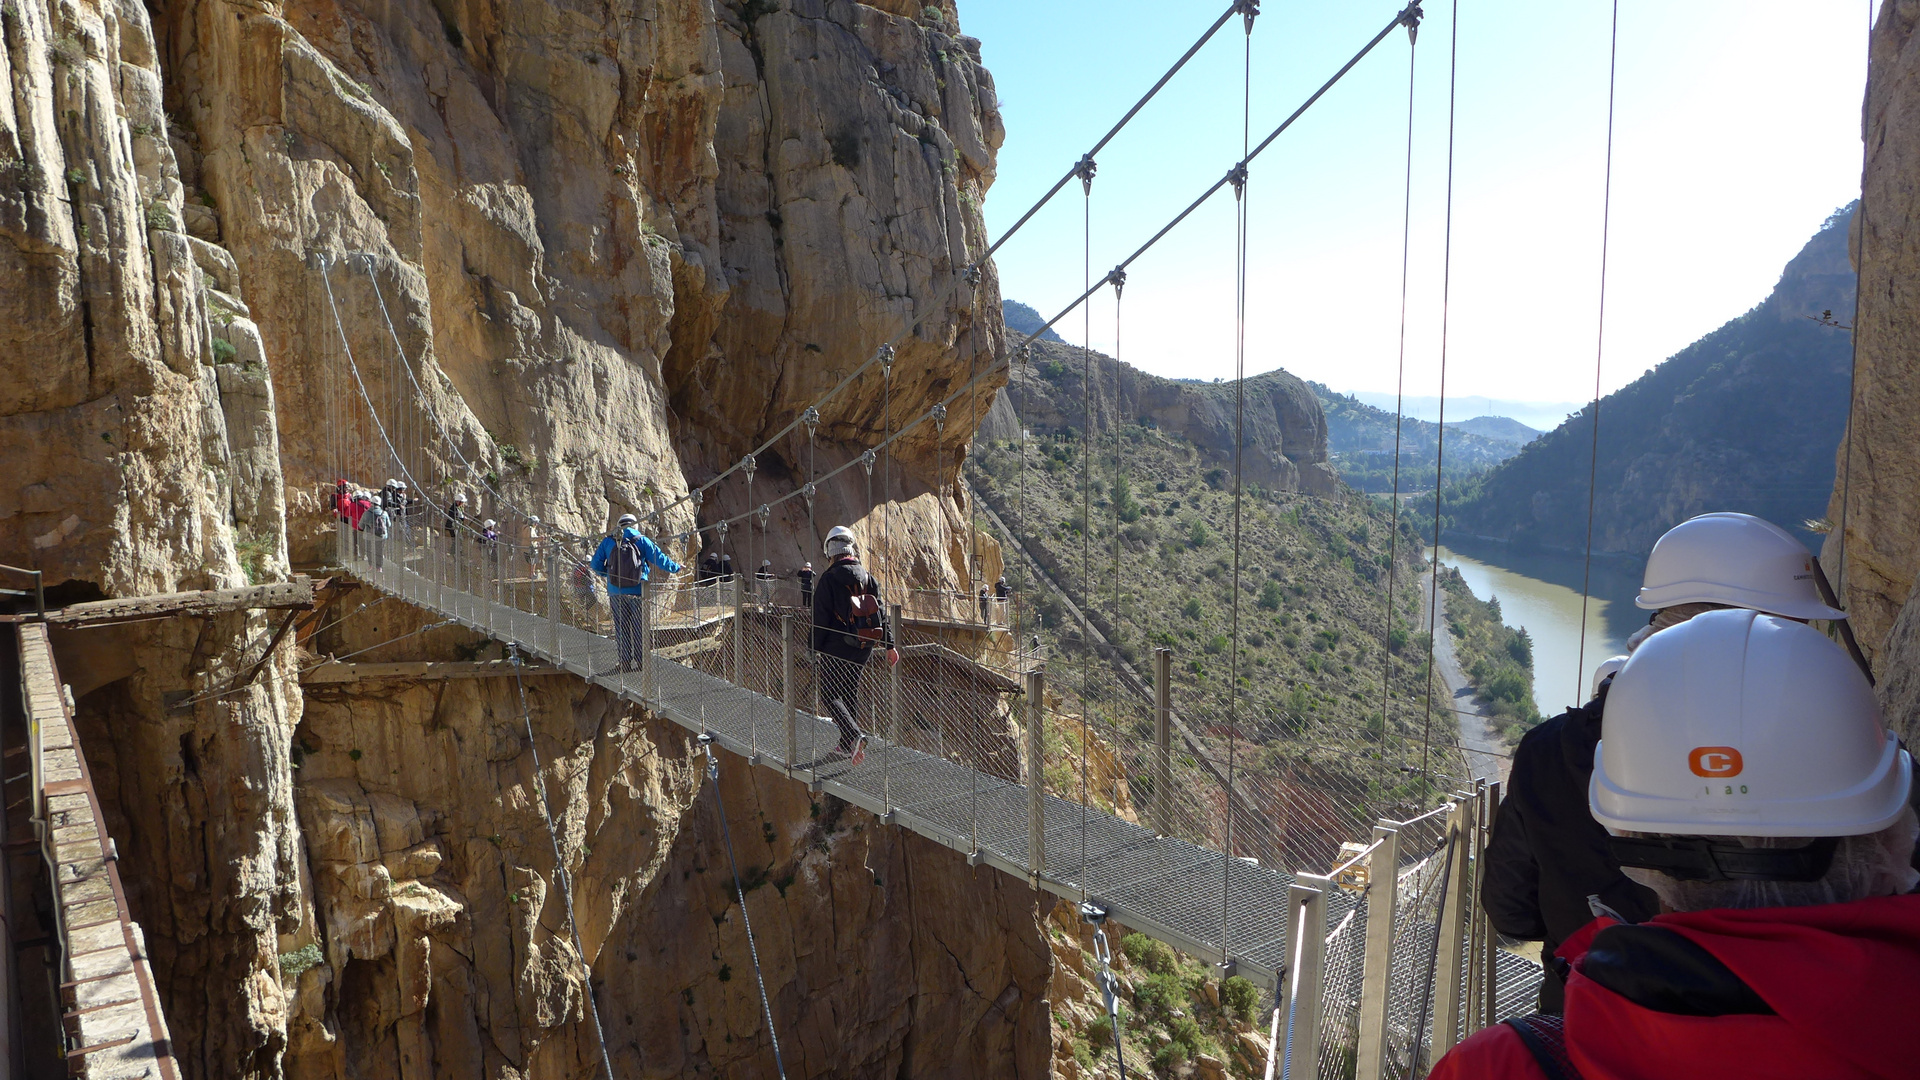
x: 1715, y: 761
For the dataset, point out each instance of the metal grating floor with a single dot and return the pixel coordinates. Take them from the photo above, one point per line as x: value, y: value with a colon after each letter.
x: 1168, y: 888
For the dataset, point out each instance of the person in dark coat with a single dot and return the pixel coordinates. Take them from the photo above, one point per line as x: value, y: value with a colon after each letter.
x: 849, y: 622
x: 1546, y: 854
x: 806, y: 586
x: 709, y: 568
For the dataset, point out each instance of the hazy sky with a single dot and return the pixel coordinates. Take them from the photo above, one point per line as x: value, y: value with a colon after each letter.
x: 1737, y: 132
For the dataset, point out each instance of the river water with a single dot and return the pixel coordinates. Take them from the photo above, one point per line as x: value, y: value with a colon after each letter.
x: 1541, y: 593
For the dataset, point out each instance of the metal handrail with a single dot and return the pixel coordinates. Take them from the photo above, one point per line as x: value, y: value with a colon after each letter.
x: 39, y: 586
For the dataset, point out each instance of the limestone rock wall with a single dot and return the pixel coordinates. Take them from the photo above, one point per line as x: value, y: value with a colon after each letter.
x: 1877, y: 485
x: 567, y: 260
x: 441, y: 934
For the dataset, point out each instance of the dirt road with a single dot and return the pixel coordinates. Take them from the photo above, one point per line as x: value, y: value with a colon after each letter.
x: 1485, y: 753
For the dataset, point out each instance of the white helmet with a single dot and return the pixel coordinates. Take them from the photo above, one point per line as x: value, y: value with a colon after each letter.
x: 459, y: 496
x: 1733, y: 559
x: 487, y: 524
x: 840, y: 534
x: 1736, y: 723
x: 628, y: 519
x: 1610, y: 666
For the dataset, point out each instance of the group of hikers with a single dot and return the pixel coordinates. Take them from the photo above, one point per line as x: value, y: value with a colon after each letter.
x: 1718, y: 850
x: 849, y: 618
x: 372, y: 517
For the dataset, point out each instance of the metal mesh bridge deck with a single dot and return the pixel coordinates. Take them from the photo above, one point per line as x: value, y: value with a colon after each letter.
x: 1195, y: 898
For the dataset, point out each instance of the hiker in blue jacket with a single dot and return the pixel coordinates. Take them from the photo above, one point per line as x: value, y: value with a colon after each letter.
x: 622, y: 559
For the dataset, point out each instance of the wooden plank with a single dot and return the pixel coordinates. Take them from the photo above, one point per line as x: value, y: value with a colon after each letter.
x: 334, y: 673
x: 297, y: 593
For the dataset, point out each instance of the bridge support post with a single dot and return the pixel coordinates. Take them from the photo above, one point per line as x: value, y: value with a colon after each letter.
x: 553, y: 600
x: 1036, y: 773
x: 1472, y: 1012
x: 739, y: 629
x: 1489, y: 950
x: 1453, y: 931
x: 649, y: 664
x: 1376, y: 968
x: 1305, y: 983
x: 893, y: 689
x: 1163, y: 740
x: 787, y: 688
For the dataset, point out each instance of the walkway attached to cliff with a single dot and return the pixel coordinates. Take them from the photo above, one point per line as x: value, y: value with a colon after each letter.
x: 969, y: 790
x: 113, y: 1026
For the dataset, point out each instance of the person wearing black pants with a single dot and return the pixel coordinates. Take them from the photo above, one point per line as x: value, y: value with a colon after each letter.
x: 849, y: 622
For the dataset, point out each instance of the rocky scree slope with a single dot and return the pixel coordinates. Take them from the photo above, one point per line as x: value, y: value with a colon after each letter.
x: 1744, y: 419
x: 618, y: 246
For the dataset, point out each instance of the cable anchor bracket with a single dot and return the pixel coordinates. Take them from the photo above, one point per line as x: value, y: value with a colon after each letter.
x: 1117, y: 277
x: 1249, y: 10
x: 1410, y: 18
x: 1084, y: 169
x: 1237, y: 176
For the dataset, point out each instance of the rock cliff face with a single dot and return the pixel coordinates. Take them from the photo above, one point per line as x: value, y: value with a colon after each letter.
x: 581, y: 256
x: 1877, y: 485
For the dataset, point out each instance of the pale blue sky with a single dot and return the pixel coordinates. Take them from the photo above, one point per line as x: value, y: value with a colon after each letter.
x: 1737, y: 133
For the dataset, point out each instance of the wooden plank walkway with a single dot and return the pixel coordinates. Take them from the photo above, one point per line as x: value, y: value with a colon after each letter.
x: 114, y: 1024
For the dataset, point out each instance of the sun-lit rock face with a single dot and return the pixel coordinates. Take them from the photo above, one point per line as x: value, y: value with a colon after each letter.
x: 1877, y: 486
x: 618, y: 246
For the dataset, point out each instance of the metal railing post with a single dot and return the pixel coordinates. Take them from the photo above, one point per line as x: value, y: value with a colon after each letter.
x: 786, y: 689
x: 553, y: 601
x: 1036, y: 774
x: 649, y: 664
x: 1472, y: 1014
x: 1163, y: 740
x: 1376, y: 968
x: 1306, y: 979
x: 1452, y: 930
x: 739, y: 629
x: 1490, y: 948
x: 893, y: 689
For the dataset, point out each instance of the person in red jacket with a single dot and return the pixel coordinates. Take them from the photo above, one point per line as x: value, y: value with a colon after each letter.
x: 1745, y: 778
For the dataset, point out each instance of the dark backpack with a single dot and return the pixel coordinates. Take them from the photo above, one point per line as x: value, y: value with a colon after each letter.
x: 627, y: 568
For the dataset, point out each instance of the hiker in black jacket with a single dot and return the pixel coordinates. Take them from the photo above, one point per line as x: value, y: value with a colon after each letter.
x: 1547, y: 854
x: 849, y: 621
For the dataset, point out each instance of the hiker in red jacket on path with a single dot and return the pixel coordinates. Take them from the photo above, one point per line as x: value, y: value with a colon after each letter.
x: 1745, y: 778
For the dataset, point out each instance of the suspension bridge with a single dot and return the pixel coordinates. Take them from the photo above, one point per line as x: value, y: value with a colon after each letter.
x: 1357, y: 912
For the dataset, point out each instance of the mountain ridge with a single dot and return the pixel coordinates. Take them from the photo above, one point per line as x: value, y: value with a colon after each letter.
x: 1746, y: 418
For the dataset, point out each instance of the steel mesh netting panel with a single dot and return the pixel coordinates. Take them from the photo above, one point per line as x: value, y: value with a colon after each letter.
x: 1416, y: 925
x: 1340, y: 996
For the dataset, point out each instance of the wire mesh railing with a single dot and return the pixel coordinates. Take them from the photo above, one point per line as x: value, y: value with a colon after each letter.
x: 1126, y: 812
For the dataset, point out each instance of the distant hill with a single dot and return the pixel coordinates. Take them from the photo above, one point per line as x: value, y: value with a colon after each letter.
x: 1539, y: 415
x: 1023, y: 320
x: 1501, y: 428
x: 1747, y: 418
x: 1360, y: 445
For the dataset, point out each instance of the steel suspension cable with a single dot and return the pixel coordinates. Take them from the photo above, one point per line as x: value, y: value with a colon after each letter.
x: 939, y: 300
x: 753, y: 950
x: 1440, y: 429
x: 1086, y: 497
x: 561, y: 876
x: 1410, y: 13
x: 1239, y: 453
x: 1599, y: 351
x: 1399, y: 416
